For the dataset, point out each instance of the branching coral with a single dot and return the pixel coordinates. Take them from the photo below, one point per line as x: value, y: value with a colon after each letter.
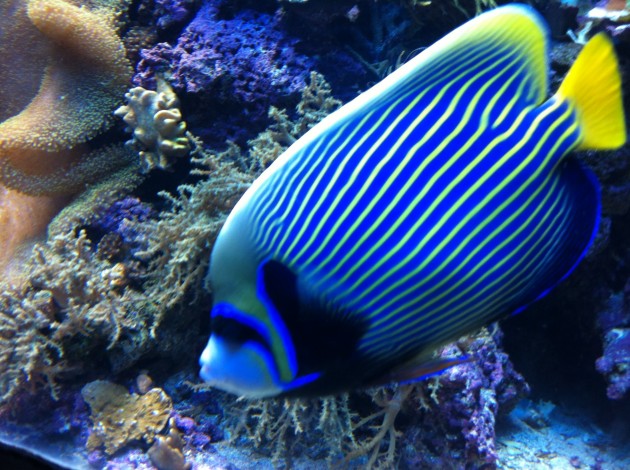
x: 156, y: 122
x: 93, y: 296
x: 285, y: 426
x: 181, y: 240
x: 28, y: 355
x: 390, y: 405
x: 317, y: 102
x: 81, y: 303
x: 453, y: 416
x: 89, y: 292
x: 70, y: 296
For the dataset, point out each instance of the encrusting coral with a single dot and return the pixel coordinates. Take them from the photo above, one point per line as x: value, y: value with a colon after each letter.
x: 156, y: 122
x: 60, y: 95
x: 119, y: 417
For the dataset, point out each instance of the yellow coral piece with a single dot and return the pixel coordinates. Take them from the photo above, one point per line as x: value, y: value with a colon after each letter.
x: 119, y: 417
x: 156, y: 122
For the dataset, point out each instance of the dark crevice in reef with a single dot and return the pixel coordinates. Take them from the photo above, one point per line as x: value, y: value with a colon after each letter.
x: 556, y: 342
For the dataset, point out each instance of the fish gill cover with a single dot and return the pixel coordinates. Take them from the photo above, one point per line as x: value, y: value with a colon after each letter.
x: 104, y: 310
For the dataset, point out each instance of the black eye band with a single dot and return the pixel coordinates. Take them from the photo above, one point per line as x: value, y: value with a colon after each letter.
x: 235, y: 331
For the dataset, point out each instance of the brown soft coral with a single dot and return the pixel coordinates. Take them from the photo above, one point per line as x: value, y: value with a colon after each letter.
x: 72, y: 306
x: 63, y: 72
x: 85, y: 75
x: 22, y: 217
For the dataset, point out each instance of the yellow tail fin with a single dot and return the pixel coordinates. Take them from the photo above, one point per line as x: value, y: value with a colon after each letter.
x: 594, y: 85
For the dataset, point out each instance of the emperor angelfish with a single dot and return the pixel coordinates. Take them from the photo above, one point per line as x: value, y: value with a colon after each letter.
x: 439, y: 200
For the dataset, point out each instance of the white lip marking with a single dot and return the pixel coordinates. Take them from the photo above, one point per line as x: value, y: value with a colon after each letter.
x: 238, y: 369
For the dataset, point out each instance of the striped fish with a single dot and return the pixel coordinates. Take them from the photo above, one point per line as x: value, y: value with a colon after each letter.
x: 439, y: 200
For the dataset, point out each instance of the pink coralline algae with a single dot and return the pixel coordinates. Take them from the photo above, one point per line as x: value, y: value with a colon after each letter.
x: 236, y: 65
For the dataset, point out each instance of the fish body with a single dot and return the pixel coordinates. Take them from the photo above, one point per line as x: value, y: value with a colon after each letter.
x: 441, y: 199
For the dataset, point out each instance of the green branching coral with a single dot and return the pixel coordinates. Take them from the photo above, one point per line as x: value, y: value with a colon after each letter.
x: 72, y: 306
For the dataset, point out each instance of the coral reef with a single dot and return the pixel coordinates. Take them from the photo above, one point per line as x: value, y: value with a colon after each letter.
x: 112, y: 290
x: 614, y: 323
x: 59, y: 95
x: 181, y: 239
x: 156, y: 122
x: 119, y: 283
x: 447, y: 419
x: 119, y: 417
x: 236, y: 67
x: 114, y: 293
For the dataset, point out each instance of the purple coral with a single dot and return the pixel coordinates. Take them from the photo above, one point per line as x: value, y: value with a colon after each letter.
x: 236, y: 65
x: 173, y: 12
x: 464, y: 404
x: 119, y: 218
x: 615, y: 363
x: 614, y: 321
